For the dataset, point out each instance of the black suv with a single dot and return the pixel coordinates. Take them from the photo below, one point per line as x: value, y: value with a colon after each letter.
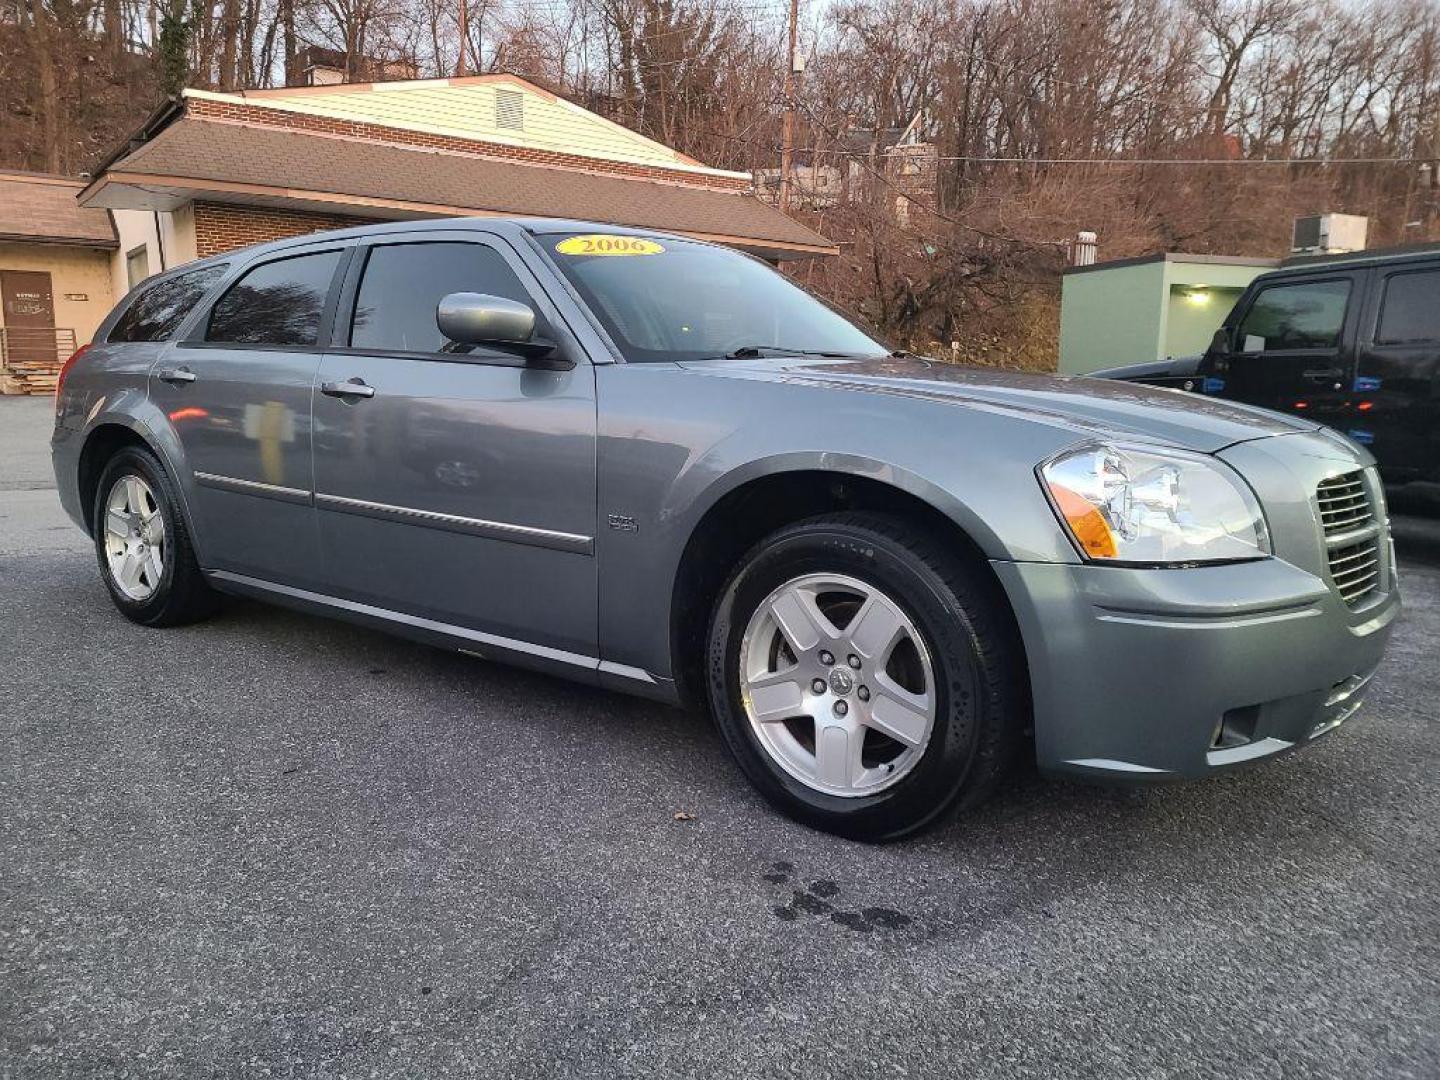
x: 1352, y: 341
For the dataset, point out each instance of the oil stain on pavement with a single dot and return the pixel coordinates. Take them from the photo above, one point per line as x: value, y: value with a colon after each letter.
x: 815, y: 900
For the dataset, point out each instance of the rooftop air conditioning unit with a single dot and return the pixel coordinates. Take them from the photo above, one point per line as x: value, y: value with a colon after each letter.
x: 1328, y: 234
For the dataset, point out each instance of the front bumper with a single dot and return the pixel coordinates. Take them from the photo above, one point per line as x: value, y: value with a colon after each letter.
x: 1142, y: 674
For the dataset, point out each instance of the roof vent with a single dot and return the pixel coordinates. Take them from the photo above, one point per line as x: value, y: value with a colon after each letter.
x: 510, y: 110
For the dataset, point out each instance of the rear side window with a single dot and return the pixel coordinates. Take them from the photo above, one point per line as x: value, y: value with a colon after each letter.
x: 277, y: 303
x: 1410, y: 311
x: 159, y: 309
x: 1305, y: 316
x: 404, y: 283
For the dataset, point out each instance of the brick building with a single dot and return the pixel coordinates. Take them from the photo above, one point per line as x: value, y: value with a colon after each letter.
x: 55, y: 276
x: 214, y: 171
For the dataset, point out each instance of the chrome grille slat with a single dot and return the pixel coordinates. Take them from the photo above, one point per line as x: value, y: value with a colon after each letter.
x: 1353, y: 550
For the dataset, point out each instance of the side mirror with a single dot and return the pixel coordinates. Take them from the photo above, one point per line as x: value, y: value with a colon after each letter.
x: 1220, y: 343
x: 479, y: 319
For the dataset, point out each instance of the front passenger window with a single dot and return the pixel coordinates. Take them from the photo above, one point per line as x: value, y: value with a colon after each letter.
x: 277, y: 303
x: 404, y: 283
x: 1305, y: 316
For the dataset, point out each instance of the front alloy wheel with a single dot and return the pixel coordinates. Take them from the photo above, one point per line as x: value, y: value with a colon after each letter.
x: 866, y: 675
x: 838, y: 684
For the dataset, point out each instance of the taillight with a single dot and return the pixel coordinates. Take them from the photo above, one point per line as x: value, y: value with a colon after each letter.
x: 65, y: 369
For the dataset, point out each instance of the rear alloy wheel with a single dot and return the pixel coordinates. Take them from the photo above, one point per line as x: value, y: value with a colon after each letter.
x: 134, y: 538
x: 144, y: 549
x: 867, y: 678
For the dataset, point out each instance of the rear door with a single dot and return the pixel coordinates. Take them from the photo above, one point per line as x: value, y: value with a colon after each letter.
x: 1291, y: 348
x: 460, y: 488
x: 237, y: 390
x: 1398, y: 377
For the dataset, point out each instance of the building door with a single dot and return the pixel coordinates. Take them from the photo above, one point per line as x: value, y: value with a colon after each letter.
x: 29, y: 323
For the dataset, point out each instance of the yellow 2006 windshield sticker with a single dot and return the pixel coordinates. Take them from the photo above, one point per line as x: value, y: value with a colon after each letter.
x: 599, y: 244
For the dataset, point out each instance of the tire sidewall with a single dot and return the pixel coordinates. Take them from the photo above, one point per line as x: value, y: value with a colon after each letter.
x: 937, y: 780
x: 131, y: 461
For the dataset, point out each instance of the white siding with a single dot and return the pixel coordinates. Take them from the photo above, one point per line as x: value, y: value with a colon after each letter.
x: 469, y: 110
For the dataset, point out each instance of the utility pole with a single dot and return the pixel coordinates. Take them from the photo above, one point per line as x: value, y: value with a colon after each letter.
x: 787, y: 138
x: 464, y: 38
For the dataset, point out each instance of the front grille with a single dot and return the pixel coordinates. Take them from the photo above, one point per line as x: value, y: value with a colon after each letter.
x: 1352, y: 536
x: 1344, y: 503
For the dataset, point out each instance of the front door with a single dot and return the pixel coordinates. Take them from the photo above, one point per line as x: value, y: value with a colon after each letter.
x: 1291, y: 348
x: 29, y: 323
x: 237, y: 391
x: 457, y: 488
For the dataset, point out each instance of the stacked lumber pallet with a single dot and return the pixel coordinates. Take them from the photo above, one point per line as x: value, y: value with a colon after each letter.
x: 29, y: 376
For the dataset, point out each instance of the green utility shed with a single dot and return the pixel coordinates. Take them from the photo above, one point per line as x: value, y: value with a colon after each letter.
x: 1133, y: 311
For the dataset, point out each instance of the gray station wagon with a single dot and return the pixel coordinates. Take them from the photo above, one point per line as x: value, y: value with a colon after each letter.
x: 657, y: 465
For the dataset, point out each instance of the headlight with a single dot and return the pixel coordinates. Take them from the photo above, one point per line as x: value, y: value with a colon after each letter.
x: 1129, y: 504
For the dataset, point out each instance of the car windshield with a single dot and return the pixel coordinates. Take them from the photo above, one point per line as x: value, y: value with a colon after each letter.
x: 670, y: 299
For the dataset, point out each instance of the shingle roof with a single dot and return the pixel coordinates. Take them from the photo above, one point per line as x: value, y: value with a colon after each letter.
x: 39, y: 208
x: 295, y: 162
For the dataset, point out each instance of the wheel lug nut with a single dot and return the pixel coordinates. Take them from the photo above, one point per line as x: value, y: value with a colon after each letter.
x: 863, y: 693
x: 854, y: 661
x: 818, y: 686
x: 826, y: 658
x: 841, y: 708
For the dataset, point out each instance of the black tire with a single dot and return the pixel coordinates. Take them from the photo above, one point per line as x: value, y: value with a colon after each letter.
x: 182, y: 596
x: 982, y: 703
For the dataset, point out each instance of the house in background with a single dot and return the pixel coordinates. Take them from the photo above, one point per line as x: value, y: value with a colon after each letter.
x: 218, y: 171
x: 1132, y: 311
x: 56, y: 276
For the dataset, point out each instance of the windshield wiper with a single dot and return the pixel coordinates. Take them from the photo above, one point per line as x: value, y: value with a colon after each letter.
x: 750, y: 352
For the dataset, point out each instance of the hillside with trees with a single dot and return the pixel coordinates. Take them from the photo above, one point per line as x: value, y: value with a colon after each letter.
x: 1195, y: 125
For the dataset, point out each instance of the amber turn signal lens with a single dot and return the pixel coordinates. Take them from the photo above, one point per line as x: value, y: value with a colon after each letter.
x: 1086, y: 523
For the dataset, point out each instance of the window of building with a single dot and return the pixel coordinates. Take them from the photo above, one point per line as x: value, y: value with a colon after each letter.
x: 1304, y: 316
x: 277, y: 303
x: 1411, y: 310
x: 404, y: 283
x: 137, y: 265
x: 158, y: 309
x: 510, y: 110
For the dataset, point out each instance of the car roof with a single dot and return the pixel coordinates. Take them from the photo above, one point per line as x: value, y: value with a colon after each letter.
x: 502, y: 225
x: 1349, y: 260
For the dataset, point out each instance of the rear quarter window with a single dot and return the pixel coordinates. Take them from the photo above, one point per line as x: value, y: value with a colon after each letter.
x: 158, y: 309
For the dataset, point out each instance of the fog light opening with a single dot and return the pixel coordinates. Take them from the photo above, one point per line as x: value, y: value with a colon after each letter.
x: 1236, y: 728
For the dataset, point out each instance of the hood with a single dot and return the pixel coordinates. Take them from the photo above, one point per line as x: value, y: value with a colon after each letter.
x: 1091, y: 407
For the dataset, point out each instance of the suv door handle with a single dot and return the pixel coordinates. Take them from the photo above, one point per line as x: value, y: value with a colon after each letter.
x: 351, y: 388
x: 1324, y: 374
x: 175, y: 376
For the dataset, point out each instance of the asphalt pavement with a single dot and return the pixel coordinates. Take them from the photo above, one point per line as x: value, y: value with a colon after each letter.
x: 272, y: 845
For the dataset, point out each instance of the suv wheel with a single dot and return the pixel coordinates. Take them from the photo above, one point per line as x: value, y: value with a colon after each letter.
x: 867, y: 681
x: 145, y: 555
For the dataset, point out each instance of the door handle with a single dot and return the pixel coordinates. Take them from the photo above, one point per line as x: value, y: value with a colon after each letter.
x: 1324, y: 375
x: 352, y: 388
x: 175, y: 376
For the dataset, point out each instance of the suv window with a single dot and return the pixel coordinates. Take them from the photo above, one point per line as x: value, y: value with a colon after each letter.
x: 1304, y: 316
x: 404, y: 283
x: 1410, y: 311
x: 159, y: 309
x: 277, y: 303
